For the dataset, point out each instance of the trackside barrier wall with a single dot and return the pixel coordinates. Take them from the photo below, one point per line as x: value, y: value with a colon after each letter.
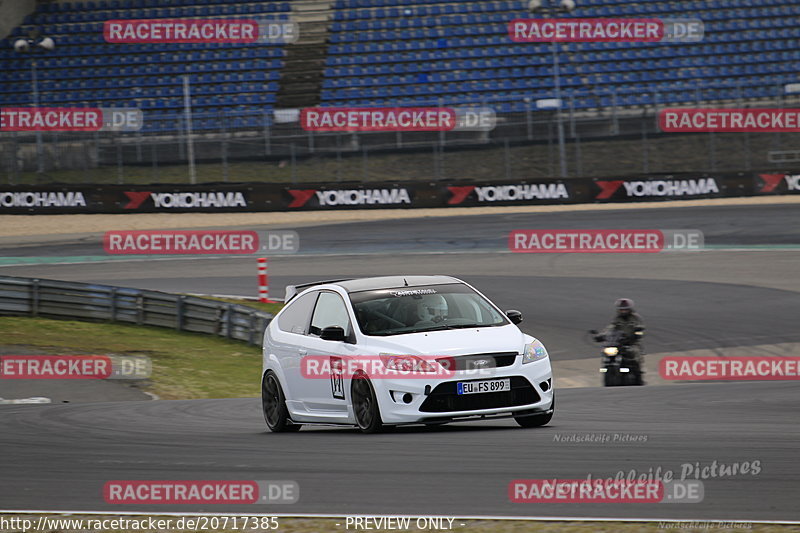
x: 79, y: 301
x: 247, y: 197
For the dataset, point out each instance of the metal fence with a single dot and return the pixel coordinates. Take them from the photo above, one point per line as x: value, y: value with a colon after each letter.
x: 88, y: 302
x: 609, y: 140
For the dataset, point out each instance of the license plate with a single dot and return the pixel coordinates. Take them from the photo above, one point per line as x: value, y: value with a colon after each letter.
x: 489, y: 385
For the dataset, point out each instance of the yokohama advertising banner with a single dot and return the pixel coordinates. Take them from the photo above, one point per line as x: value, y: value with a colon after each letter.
x: 670, y: 187
x: 520, y: 193
x: 252, y: 197
x: 36, y: 199
x: 777, y: 183
x: 350, y: 196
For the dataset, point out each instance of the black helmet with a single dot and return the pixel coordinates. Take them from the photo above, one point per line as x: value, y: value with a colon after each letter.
x: 624, y: 305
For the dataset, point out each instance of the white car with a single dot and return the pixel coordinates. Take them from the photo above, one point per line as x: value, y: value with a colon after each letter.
x: 399, y: 350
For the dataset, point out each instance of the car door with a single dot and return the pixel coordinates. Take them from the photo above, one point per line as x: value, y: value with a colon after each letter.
x: 329, y: 396
x: 289, y: 345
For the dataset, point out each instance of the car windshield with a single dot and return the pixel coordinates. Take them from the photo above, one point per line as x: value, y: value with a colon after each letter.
x: 417, y: 309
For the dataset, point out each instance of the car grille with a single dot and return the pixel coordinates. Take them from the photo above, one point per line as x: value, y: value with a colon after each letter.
x: 468, y: 362
x: 445, y: 398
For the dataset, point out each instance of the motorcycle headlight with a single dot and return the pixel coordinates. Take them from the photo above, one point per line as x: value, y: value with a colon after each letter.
x: 611, y: 350
x: 534, y: 352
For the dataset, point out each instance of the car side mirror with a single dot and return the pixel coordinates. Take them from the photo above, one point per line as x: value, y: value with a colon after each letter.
x: 332, y: 333
x: 514, y: 316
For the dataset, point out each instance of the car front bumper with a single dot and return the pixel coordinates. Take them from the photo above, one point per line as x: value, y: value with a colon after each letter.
x: 420, y: 400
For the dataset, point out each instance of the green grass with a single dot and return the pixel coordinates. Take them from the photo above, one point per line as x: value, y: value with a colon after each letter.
x: 185, y: 365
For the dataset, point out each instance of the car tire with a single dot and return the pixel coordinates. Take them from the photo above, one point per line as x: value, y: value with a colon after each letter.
x: 536, y: 421
x: 365, y: 405
x: 273, y: 404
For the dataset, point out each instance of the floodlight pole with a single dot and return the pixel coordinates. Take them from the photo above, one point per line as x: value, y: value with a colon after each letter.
x: 562, y: 152
x: 548, y: 11
x: 39, y: 146
x: 187, y: 107
x: 36, y: 43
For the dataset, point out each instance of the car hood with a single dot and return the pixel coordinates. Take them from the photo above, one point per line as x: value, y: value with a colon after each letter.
x: 453, y: 342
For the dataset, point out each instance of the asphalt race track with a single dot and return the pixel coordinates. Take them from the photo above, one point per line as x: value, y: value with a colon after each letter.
x: 742, y: 291
x: 62, y: 455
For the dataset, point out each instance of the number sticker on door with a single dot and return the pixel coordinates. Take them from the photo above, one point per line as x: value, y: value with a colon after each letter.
x: 337, y: 384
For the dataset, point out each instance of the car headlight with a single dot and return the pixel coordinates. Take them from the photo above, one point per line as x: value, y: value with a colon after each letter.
x: 611, y: 350
x: 534, y: 352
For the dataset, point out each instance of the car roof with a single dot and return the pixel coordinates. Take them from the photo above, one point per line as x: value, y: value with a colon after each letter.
x: 369, y: 284
x: 391, y: 282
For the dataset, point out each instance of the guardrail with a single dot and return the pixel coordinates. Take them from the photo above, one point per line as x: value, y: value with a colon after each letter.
x: 89, y: 302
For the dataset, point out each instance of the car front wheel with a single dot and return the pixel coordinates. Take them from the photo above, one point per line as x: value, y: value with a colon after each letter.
x: 365, y: 405
x: 273, y: 403
x: 534, y: 421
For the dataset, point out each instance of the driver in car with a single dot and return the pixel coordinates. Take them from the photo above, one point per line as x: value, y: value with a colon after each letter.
x: 432, y: 308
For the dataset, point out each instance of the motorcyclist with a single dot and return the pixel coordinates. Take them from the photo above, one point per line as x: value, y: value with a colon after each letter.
x: 631, y: 325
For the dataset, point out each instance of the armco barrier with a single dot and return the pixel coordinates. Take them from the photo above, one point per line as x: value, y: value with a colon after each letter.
x: 247, y: 197
x: 80, y: 301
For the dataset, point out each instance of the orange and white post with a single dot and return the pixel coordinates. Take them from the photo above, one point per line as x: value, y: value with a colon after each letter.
x: 263, y: 282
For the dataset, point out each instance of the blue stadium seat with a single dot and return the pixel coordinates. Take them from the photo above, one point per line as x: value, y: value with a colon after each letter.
x: 382, y: 50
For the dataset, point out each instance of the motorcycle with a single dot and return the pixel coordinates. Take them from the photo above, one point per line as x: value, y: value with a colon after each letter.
x: 620, y: 366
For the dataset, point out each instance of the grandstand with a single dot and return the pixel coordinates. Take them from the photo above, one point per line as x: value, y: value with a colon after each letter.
x: 393, y: 52
x: 398, y: 52
x: 83, y: 69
